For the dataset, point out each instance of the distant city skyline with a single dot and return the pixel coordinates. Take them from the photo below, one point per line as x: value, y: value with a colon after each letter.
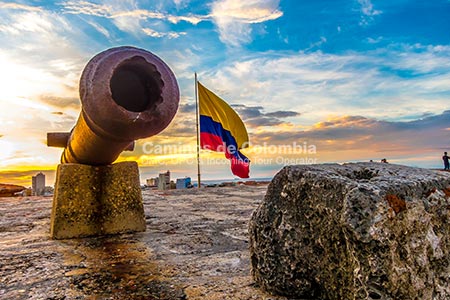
x: 356, y: 79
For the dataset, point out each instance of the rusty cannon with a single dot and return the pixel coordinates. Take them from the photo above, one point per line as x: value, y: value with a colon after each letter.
x: 126, y: 94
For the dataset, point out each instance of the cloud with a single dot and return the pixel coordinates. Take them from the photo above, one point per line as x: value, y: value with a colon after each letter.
x: 420, y: 59
x: 397, y: 82
x: 44, y: 65
x: 40, y: 80
x: 342, y: 138
x: 253, y: 116
x: 86, y: 8
x: 181, y: 128
x: 367, y: 8
x: 374, y: 40
x: 186, y: 108
x: 100, y: 29
x: 124, y: 16
x: 368, y: 12
x: 128, y: 17
x: 18, y: 6
x: 40, y: 38
x: 282, y: 114
x: 234, y: 17
x: 317, y: 44
x: 181, y: 132
x: 23, y: 177
x: 190, y: 18
x: 156, y: 34
x: 58, y: 102
x: 314, y: 89
x: 124, y: 9
x: 357, y: 133
x: 181, y: 3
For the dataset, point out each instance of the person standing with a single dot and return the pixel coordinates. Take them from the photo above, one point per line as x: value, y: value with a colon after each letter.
x: 446, y: 162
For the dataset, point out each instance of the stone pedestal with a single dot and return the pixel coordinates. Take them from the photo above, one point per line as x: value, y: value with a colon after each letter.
x: 96, y: 200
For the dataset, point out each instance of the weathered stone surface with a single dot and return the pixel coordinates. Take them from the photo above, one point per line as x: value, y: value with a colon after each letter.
x: 195, y: 248
x: 92, y: 200
x: 354, y: 231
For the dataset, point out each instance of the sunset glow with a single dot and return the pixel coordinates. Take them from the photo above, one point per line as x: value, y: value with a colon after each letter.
x: 358, y: 80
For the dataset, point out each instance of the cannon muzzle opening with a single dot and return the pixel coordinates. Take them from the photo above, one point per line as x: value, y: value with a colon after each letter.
x: 136, y: 85
x: 126, y: 94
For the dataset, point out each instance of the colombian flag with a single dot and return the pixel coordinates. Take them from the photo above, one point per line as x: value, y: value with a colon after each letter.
x: 222, y: 130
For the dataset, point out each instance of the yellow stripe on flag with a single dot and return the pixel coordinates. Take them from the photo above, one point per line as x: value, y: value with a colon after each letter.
x: 212, y: 106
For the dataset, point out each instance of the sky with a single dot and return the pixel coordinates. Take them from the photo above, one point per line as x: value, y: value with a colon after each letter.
x: 314, y: 81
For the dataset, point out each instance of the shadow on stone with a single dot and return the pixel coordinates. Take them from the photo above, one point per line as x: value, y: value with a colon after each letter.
x: 118, y: 268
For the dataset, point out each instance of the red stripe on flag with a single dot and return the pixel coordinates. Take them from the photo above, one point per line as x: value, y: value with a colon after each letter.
x: 210, y: 141
x: 239, y: 167
x: 213, y: 142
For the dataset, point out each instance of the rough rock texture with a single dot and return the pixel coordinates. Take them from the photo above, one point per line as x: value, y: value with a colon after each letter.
x: 92, y: 200
x: 354, y: 231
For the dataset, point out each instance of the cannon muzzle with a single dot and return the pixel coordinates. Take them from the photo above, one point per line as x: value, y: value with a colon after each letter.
x: 126, y: 94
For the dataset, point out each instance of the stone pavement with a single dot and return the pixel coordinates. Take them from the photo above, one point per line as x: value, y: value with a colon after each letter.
x: 195, y: 247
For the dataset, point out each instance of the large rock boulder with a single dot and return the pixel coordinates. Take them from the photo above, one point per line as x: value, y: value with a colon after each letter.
x: 354, y: 231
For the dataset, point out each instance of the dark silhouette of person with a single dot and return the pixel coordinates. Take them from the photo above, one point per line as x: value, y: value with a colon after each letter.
x: 446, y: 162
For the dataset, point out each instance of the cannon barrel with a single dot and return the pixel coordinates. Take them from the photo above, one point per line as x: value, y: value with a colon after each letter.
x: 126, y: 94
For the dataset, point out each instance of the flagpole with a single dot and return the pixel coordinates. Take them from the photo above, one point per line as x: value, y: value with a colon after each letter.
x: 198, y: 132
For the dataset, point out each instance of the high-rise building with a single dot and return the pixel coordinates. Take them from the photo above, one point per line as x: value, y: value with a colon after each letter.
x: 164, y: 181
x: 38, y: 184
